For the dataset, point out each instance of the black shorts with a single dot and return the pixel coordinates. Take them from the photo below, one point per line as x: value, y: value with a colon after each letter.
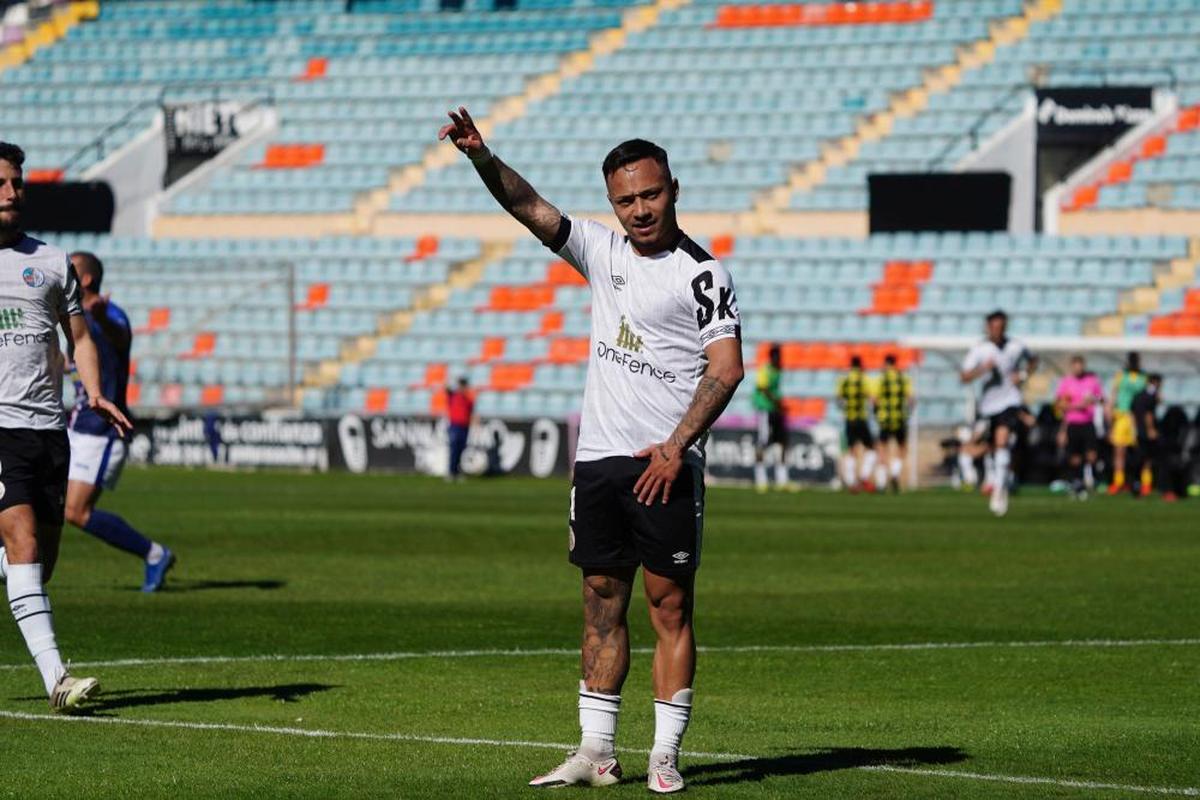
x: 772, y: 428
x: 609, y: 528
x: 898, y: 435
x: 1081, y: 439
x: 33, y: 472
x: 859, y: 432
x: 1008, y: 418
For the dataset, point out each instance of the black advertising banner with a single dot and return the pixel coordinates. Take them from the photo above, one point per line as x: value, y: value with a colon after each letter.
x: 196, y: 132
x: 1091, y: 114
x: 811, y: 454
x: 353, y: 443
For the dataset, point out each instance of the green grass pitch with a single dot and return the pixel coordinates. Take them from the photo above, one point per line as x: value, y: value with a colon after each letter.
x: 466, y: 614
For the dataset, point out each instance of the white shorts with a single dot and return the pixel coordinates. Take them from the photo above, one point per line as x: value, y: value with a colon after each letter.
x: 96, y: 460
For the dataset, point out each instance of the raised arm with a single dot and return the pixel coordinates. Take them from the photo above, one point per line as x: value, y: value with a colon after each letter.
x: 511, y: 191
x: 87, y: 361
x: 721, y: 378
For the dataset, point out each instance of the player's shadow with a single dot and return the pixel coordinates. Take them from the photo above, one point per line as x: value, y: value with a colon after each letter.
x: 829, y: 759
x: 134, y: 698
x: 176, y: 585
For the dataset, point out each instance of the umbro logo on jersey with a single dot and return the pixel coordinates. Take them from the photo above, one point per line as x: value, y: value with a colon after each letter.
x: 627, y: 339
x: 618, y: 282
x: 681, y: 557
x: 11, y: 318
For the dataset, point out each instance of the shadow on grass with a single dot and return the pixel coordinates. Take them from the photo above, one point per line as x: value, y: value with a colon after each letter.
x: 176, y: 585
x: 284, y: 693
x: 827, y: 760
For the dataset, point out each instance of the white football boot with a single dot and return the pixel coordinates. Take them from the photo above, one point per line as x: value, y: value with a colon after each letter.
x: 663, y: 776
x: 70, y: 692
x: 579, y: 769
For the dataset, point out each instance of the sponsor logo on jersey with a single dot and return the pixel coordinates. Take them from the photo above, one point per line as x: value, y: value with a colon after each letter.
x: 627, y: 339
x: 11, y: 318
x: 33, y: 277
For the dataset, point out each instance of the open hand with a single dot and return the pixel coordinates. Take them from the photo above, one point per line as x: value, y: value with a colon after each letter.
x: 106, y: 409
x: 665, y: 462
x: 462, y: 132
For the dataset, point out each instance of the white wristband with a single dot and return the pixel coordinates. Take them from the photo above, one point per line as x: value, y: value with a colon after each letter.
x: 482, y: 157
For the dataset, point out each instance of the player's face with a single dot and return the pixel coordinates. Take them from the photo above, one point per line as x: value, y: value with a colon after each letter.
x: 643, y: 198
x: 12, y: 195
x: 996, y: 328
x: 1077, y: 367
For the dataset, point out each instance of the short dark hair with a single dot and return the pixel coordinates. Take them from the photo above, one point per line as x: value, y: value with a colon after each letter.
x: 92, y: 265
x: 890, y: 359
x: 1133, y: 362
x: 774, y: 351
x: 463, y: 382
x: 1155, y: 377
x: 12, y: 154
x: 634, y: 150
x: 856, y: 362
x: 997, y: 314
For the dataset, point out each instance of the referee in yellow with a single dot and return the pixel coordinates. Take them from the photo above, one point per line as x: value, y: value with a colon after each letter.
x: 894, y: 400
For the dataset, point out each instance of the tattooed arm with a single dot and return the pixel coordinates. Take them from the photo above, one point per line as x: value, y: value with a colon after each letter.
x: 511, y: 191
x: 716, y: 387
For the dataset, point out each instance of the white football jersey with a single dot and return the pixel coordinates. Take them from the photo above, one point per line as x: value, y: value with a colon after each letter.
x: 37, y: 288
x: 652, y: 317
x: 997, y: 392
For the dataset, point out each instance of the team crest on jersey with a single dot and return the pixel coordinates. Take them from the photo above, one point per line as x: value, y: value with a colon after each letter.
x: 627, y: 339
x: 34, y: 277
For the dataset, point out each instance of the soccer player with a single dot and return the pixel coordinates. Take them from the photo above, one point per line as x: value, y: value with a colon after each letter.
x: 1127, y: 384
x: 1079, y: 395
x: 1005, y: 364
x: 666, y: 357
x: 460, y: 406
x: 853, y: 393
x: 97, y: 449
x: 772, y: 424
x: 1144, y: 455
x: 894, y: 401
x: 38, y: 293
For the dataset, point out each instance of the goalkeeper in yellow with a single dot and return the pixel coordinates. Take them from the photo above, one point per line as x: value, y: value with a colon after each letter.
x: 1127, y: 384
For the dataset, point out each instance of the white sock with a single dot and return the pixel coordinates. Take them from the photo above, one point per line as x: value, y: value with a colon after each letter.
x: 760, y: 475
x: 1003, y: 458
x: 671, y: 719
x: 3, y: 564
x: 781, y: 475
x: 966, y: 469
x: 897, y: 468
x: 880, y: 475
x: 31, y: 609
x: 598, y: 722
x: 850, y: 474
x: 156, y: 554
x: 1089, y: 477
x: 868, y: 465
x: 989, y: 469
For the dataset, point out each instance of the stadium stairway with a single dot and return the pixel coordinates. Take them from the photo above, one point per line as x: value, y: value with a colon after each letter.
x: 61, y: 20
x: 1006, y: 31
x: 1139, y: 305
x: 462, y: 277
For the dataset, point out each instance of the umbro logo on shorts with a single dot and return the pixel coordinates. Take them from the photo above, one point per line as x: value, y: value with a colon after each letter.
x: 681, y: 557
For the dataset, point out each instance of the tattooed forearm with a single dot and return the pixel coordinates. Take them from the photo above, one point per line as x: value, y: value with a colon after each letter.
x: 605, y: 652
x: 711, y: 396
x: 519, y: 198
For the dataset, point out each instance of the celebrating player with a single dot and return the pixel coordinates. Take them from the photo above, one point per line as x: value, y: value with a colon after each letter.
x: 97, y: 449
x: 665, y: 359
x: 894, y: 400
x: 853, y: 394
x: 1005, y: 363
x: 772, y: 424
x: 38, y: 293
x: 1079, y: 395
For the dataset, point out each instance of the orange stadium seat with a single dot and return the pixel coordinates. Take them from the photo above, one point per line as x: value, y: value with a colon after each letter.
x: 170, y: 394
x: 212, y: 394
x: 560, y: 273
x: 316, y: 297
x: 426, y: 246
x: 376, y: 401
x: 133, y: 393
x: 1119, y: 172
x: 293, y: 156
x: 159, y: 319
x: 44, y: 176
x: 315, y: 69
x: 722, y: 245
x: 511, y: 377
x: 568, y: 350
x: 1189, y: 119
x: 492, y: 349
x: 1153, y: 146
x: 202, y: 346
x: 438, y: 402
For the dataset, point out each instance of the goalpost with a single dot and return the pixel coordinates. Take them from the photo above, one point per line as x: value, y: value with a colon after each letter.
x: 1177, y: 358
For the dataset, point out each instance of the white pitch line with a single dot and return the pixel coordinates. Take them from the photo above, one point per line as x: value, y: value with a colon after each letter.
x: 1186, y: 791
x: 1183, y: 791
x: 572, y: 651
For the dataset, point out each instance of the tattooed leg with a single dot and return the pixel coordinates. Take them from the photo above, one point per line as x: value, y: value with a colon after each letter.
x: 605, y: 629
